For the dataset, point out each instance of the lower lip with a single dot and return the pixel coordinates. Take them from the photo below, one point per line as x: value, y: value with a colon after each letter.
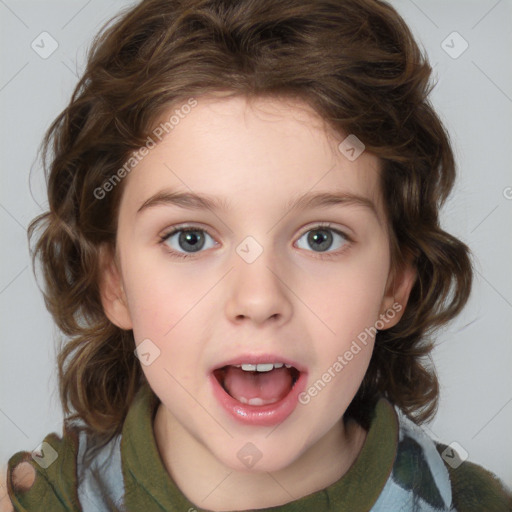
x: 264, y: 415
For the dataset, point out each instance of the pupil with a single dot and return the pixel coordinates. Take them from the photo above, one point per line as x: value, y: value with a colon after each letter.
x: 322, y: 239
x: 194, y: 241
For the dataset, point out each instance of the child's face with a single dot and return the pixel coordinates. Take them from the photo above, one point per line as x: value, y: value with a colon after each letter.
x: 258, y: 289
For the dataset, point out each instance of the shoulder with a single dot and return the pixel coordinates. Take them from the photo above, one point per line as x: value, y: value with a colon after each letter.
x: 47, y: 476
x: 68, y: 473
x: 433, y: 474
x: 79, y: 471
x: 474, y: 488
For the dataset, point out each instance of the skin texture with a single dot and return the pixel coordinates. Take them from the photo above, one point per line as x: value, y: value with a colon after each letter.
x: 290, y: 301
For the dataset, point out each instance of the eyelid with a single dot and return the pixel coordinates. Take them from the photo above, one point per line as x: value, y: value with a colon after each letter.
x: 183, y: 227
x: 196, y: 227
x: 327, y: 225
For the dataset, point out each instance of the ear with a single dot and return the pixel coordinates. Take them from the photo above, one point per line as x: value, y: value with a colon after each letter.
x: 113, y: 296
x: 398, y: 288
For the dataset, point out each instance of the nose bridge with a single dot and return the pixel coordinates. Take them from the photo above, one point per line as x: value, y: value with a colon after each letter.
x: 257, y: 289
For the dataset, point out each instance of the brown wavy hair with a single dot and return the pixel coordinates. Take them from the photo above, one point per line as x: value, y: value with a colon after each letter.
x: 355, y: 62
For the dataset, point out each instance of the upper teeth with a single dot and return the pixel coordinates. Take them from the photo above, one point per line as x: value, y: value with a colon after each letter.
x: 262, y: 367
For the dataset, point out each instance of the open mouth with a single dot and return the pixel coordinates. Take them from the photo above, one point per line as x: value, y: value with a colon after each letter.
x: 260, y: 384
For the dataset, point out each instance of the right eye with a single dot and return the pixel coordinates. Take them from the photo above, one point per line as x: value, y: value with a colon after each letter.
x: 185, y: 241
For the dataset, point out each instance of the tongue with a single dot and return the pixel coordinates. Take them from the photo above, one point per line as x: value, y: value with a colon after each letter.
x: 257, y: 388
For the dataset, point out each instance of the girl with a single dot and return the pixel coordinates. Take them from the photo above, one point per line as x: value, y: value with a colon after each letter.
x: 243, y: 248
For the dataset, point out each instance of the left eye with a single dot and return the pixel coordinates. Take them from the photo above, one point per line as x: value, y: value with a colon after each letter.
x: 321, y: 239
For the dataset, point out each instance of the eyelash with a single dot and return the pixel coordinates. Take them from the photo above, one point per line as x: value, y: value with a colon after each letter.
x: 325, y: 256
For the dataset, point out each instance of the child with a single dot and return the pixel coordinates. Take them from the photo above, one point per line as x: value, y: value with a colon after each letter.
x: 244, y: 250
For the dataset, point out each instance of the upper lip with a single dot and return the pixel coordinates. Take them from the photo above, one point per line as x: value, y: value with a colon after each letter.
x: 259, y: 359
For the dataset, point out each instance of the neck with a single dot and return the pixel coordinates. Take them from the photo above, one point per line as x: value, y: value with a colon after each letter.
x: 197, y: 472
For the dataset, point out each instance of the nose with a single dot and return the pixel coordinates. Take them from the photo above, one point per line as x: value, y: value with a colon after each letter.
x: 258, y: 292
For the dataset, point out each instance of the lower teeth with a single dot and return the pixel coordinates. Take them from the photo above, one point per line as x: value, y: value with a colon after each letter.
x: 256, y: 401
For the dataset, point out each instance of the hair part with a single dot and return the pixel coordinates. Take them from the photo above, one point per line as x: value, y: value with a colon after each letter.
x: 354, y: 62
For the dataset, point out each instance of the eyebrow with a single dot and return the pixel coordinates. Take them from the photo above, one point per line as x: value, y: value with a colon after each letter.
x: 192, y: 201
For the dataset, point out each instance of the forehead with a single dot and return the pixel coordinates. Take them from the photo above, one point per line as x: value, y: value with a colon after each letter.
x: 257, y: 152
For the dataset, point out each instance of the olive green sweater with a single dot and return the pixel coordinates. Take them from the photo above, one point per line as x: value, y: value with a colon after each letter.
x: 399, y: 468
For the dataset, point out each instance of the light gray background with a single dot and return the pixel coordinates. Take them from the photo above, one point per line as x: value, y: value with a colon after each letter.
x: 474, y: 98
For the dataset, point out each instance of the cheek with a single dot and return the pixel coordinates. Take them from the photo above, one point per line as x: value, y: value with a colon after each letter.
x: 161, y: 293
x: 163, y: 303
x: 347, y: 295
